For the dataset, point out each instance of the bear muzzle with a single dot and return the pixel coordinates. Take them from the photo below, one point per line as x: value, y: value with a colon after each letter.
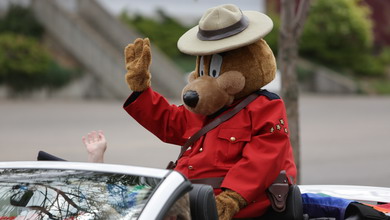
x: 191, y: 98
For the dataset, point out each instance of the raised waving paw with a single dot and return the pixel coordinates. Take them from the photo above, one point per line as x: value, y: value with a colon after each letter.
x: 138, y: 58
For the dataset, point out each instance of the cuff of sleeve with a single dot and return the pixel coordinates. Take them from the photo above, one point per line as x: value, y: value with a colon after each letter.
x: 131, y: 98
x: 238, y: 190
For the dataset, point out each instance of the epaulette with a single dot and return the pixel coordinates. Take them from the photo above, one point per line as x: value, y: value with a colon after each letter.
x: 268, y: 94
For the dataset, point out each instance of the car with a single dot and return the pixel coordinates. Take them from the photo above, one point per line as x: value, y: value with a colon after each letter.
x: 72, y: 190
x: 76, y: 190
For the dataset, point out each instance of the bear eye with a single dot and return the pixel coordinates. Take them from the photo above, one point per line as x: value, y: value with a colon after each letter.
x: 215, y: 65
x: 201, y: 67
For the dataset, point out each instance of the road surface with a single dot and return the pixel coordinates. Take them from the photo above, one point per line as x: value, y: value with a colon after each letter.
x: 345, y: 139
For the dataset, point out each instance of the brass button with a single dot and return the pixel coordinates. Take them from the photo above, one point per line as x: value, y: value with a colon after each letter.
x: 201, y: 149
x: 232, y: 139
x: 190, y: 167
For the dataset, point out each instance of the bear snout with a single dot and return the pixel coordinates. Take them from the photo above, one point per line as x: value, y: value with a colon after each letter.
x: 191, y: 98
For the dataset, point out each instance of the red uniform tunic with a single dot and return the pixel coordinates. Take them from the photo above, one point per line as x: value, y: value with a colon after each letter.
x: 250, y: 149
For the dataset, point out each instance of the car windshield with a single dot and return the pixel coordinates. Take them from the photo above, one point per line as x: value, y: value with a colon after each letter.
x: 71, y: 194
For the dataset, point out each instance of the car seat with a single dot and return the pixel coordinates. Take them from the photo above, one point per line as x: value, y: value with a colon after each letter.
x: 202, y: 203
x: 203, y: 206
x: 42, y: 155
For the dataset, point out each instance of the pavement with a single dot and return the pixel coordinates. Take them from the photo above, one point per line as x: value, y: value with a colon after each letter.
x: 344, y: 139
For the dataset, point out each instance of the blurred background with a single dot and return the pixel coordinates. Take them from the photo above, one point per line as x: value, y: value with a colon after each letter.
x: 62, y: 76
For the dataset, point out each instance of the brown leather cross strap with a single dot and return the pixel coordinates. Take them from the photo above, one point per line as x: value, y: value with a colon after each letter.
x: 214, y: 124
x: 215, y: 182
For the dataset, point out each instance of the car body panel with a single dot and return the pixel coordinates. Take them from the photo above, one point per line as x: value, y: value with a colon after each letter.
x: 358, y: 193
x: 98, y: 167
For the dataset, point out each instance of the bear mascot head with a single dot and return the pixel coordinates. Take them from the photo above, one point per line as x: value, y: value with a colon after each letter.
x: 233, y: 60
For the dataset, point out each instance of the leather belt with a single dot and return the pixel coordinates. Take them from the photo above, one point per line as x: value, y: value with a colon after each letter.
x: 215, y: 182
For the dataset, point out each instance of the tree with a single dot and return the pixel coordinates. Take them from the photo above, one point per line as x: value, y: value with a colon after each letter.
x: 26, y: 66
x: 339, y: 34
x: 21, y: 20
x: 23, y: 62
x: 293, y: 16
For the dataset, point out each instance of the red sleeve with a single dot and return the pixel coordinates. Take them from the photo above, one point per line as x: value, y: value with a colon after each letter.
x: 265, y: 155
x: 151, y: 110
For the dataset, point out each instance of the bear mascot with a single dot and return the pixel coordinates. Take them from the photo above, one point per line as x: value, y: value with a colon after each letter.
x: 245, y: 153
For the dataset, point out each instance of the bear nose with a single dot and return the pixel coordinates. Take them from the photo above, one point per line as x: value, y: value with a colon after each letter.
x: 191, y: 98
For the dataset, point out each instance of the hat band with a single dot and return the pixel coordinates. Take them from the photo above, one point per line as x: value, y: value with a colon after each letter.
x: 210, y: 35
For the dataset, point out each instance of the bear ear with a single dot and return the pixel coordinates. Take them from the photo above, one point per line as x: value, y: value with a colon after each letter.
x: 191, y: 76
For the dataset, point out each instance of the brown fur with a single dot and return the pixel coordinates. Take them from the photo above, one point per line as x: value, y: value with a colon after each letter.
x: 138, y: 59
x: 243, y: 71
x: 228, y: 204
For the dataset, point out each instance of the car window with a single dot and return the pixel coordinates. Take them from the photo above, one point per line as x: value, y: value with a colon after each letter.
x: 70, y: 194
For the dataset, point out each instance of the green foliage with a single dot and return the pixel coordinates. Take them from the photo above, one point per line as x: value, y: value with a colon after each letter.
x: 22, y: 61
x: 164, y: 33
x: 381, y: 87
x: 338, y: 33
x: 22, y: 21
x: 25, y: 65
x: 58, y: 76
x: 272, y: 37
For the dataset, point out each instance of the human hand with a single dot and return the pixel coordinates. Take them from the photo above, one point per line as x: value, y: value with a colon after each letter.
x: 138, y: 59
x: 96, y: 144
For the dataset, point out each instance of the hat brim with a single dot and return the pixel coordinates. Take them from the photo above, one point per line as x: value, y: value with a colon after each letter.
x: 259, y: 26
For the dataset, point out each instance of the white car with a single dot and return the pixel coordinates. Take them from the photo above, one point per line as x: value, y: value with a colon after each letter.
x: 70, y: 190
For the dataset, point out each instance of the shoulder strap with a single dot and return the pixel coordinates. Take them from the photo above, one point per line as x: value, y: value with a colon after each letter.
x: 217, y: 122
